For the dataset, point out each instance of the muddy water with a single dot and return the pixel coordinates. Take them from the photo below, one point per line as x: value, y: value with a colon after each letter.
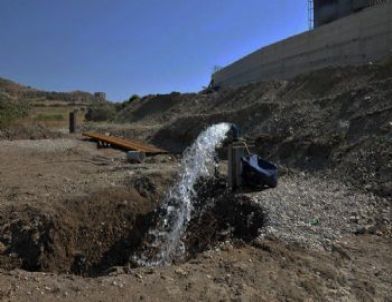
x: 176, y: 210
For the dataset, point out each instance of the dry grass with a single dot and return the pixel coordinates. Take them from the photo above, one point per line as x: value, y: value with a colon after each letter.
x: 54, y: 116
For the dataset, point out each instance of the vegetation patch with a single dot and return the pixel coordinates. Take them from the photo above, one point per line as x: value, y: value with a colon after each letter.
x: 100, y: 113
x: 11, y: 111
x: 49, y: 117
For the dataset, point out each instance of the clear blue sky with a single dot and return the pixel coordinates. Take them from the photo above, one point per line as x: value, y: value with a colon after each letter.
x: 124, y: 47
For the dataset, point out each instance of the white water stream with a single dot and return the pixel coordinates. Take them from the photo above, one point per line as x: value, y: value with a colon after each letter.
x: 198, y: 161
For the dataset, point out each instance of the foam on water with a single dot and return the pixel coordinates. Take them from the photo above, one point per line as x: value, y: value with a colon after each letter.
x: 176, y: 209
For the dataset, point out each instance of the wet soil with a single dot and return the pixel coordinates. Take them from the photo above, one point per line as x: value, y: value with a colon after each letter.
x: 218, y: 215
x: 221, y: 216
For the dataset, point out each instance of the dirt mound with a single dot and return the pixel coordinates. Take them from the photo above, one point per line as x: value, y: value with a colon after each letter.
x: 88, y: 236
x: 221, y: 216
x: 218, y: 216
x: 150, y: 108
x: 334, y: 120
x: 85, y: 236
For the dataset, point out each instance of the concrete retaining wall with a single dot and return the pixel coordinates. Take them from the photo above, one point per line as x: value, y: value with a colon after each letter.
x: 356, y: 39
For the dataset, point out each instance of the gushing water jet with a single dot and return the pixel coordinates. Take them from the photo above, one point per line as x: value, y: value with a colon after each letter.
x: 176, y: 210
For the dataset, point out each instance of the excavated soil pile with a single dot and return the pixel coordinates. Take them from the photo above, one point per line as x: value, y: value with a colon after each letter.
x: 221, y: 216
x: 337, y: 120
x: 86, y: 236
x: 217, y: 216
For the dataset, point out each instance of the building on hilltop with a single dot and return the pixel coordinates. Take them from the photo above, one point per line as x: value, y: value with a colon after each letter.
x: 100, y: 96
x: 346, y: 32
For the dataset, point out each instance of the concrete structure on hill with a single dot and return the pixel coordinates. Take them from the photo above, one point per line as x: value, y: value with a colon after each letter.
x: 358, y: 38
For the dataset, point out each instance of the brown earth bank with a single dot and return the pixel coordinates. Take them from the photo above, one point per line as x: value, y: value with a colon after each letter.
x: 336, y: 120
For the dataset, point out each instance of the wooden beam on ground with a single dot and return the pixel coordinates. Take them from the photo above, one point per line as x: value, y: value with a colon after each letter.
x: 124, y: 143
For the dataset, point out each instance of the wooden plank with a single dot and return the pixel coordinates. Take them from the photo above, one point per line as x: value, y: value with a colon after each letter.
x: 126, y: 144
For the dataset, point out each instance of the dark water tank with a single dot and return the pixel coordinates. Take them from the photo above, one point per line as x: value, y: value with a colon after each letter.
x: 326, y: 11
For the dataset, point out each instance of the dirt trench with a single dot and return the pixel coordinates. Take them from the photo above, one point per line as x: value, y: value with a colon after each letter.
x: 83, y: 236
x: 89, y: 236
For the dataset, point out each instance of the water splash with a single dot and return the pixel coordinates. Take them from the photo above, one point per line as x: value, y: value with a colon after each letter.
x: 176, y: 210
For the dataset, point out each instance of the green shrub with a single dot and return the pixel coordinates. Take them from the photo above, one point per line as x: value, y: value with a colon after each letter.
x: 11, y: 111
x: 124, y: 104
x: 135, y: 97
x: 49, y: 117
x: 100, y: 113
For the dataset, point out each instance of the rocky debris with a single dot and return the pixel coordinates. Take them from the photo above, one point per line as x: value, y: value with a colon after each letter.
x: 61, y: 145
x: 316, y: 211
x: 181, y: 272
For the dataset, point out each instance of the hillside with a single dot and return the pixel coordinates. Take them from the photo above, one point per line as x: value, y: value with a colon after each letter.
x: 28, y: 113
x: 26, y: 93
x: 336, y: 119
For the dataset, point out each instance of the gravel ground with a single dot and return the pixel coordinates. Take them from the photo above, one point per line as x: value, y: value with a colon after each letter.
x: 42, y: 145
x: 43, y: 178
x: 314, y: 212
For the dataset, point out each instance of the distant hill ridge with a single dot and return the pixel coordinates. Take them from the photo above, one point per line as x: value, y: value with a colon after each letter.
x: 21, y: 92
